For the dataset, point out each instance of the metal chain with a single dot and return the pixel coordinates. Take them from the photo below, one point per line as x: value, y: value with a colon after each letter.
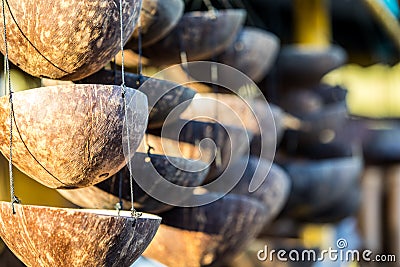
x: 7, y: 81
x: 133, y: 211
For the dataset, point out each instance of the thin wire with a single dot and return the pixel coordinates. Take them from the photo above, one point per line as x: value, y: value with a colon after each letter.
x: 14, y: 199
x: 133, y: 211
x: 140, y: 64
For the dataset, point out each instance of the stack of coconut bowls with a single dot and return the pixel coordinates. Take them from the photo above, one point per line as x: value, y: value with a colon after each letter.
x: 71, y: 135
x: 166, y: 144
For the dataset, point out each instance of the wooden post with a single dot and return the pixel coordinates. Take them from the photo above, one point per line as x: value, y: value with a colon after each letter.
x: 370, y: 216
x: 312, y: 25
x: 393, y: 210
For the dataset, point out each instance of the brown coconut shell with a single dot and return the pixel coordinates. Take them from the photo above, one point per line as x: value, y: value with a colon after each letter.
x: 157, y: 19
x: 70, y: 136
x: 106, y: 194
x: 163, y: 96
x: 45, y: 236
x: 253, y: 52
x: 66, y: 40
x: 211, y: 234
x: 200, y: 34
x: 229, y: 140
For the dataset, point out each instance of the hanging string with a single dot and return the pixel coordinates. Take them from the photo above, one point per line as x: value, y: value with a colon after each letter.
x: 133, y: 211
x: 14, y: 199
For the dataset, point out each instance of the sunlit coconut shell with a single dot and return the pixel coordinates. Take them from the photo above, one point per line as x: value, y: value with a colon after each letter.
x: 253, y: 52
x: 45, y: 236
x: 318, y: 184
x: 71, y: 136
x: 157, y: 19
x: 106, y: 194
x: 200, y: 34
x: 163, y: 95
x: 66, y: 39
x: 208, y: 235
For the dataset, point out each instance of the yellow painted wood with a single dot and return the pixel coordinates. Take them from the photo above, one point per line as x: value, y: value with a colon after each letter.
x: 312, y: 23
x: 373, y: 91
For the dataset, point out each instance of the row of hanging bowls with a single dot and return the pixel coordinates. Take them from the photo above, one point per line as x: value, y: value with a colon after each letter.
x: 220, y: 229
x: 71, y: 136
x: 157, y: 19
x: 196, y: 34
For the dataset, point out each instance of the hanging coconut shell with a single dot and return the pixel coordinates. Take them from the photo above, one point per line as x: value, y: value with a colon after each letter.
x: 227, y: 109
x: 253, y: 52
x: 317, y: 184
x: 319, y: 127
x: 319, y: 61
x: 339, y: 209
x: 228, y: 141
x: 275, y: 188
x: 71, y: 136
x: 265, y: 145
x: 163, y: 96
x: 200, y: 34
x: 46, y: 236
x: 211, y: 234
x: 66, y: 40
x: 173, y: 148
x: 157, y: 19
x: 106, y: 194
